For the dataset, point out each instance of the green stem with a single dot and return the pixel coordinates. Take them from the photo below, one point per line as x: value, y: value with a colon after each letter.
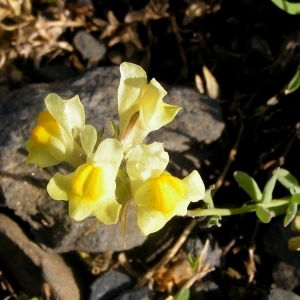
x: 203, y: 212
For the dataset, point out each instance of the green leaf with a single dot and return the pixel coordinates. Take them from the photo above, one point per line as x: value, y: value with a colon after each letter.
x: 208, y: 200
x: 264, y: 214
x: 114, y: 129
x: 268, y: 189
x: 99, y: 136
x: 183, y: 294
x: 296, y: 198
x: 23, y: 297
x: 288, y: 181
x: 290, y: 214
x: 295, y: 226
x: 294, y: 83
x: 288, y: 7
x: 294, y: 243
x: 214, y: 221
x: 248, y: 184
x: 194, y: 261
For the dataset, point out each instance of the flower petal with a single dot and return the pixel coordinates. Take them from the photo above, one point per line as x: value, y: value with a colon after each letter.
x: 80, y: 209
x: 181, y: 208
x: 195, y: 186
x: 165, y: 113
x: 133, y: 78
x: 107, y: 210
x: 144, y: 162
x: 88, y: 138
x: 150, y: 221
x: 38, y: 157
x: 163, y: 193
x: 59, y: 186
x: 152, y: 95
x: 68, y: 113
x: 109, y: 150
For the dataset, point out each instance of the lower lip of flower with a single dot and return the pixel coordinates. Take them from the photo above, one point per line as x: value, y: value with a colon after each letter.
x: 164, y: 193
x: 88, y: 183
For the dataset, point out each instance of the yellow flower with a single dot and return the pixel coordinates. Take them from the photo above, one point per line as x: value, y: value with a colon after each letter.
x: 141, y: 109
x: 91, y: 188
x: 52, y: 140
x: 158, y: 195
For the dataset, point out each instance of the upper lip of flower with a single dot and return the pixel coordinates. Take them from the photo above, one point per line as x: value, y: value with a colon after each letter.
x: 52, y: 140
x: 141, y: 108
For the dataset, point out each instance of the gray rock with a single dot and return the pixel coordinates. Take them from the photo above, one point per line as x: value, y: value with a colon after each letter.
x: 280, y: 294
x: 31, y: 266
x: 90, y: 48
x: 55, y: 72
x: 109, y: 285
x: 286, y: 270
x: 195, y: 244
x: 142, y: 293
x: 24, y: 192
x: 206, y: 290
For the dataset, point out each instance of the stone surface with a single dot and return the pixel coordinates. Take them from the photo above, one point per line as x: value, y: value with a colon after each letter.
x: 30, y: 266
x: 109, y: 285
x: 142, y: 293
x: 24, y: 192
x: 55, y: 72
x: 280, y: 294
x: 195, y: 243
x: 206, y: 290
x: 286, y: 270
x: 90, y: 48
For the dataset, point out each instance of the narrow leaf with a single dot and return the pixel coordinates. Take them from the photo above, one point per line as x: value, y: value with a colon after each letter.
x: 290, y: 214
x: 114, y: 128
x: 288, y: 181
x: 264, y: 214
x: 294, y: 83
x: 214, y: 221
x: 183, y: 294
x: 208, y: 198
x: 268, y: 189
x: 248, y: 184
x: 294, y: 243
x: 296, y: 198
x: 288, y: 7
x: 295, y: 226
x: 123, y: 220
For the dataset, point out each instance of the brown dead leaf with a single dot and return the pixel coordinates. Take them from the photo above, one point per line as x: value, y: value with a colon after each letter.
x: 177, y: 273
x: 15, y: 7
x: 145, y: 15
x: 196, y: 9
x: 250, y: 264
x: 159, y: 6
x: 232, y: 273
x: 212, y: 86
x: 111, y: 26
x: 208, y: 85
x: 199, y: 84
x: 101, y: 262
x: 127, y: 34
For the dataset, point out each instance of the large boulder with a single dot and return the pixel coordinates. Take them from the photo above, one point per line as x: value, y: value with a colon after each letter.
x: 23, y: 191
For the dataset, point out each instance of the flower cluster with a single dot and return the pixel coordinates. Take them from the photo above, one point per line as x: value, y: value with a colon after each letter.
x: 112, y: 172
